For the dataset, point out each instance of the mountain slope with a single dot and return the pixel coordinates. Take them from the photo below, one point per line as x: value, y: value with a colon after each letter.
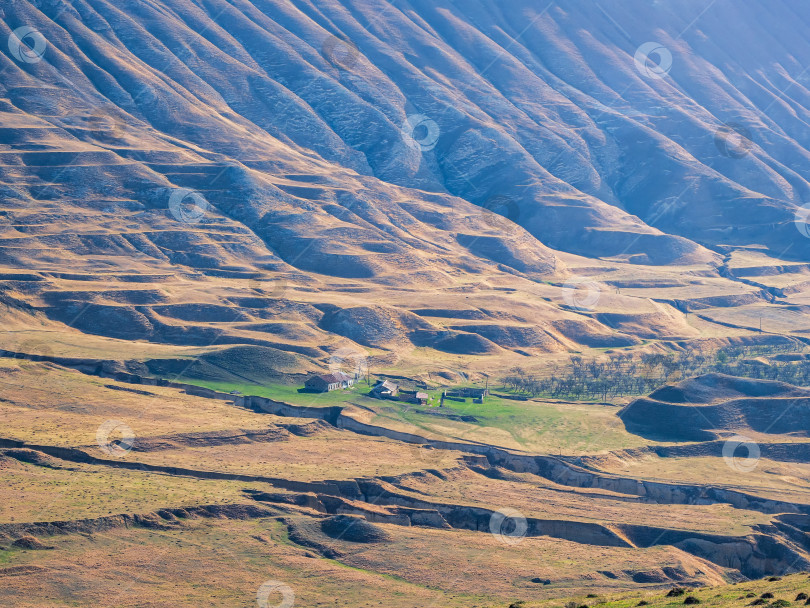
x: 372, y: 147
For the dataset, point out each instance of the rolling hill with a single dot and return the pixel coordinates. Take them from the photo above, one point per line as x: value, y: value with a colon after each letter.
x: 182, y: 173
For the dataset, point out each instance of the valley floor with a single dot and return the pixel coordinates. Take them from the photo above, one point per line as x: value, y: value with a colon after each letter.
x: 118, y: 494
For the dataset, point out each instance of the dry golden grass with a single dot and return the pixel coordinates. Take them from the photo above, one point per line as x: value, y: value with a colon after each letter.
x: 41, y: 337
x: 539, y: 498
x: 511, y: 300
x: 210, y: 563
x: 328, y: 455
x: 464, y: 562
x: 223, y: 563
x: 787, y: 481
x: 30, y: 493
x: 48, y: 405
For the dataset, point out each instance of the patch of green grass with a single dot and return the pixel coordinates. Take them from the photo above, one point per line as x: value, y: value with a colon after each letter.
x: 532, y: 425
x: 727, y: 596
x: 291, y: 394
x: 5, y: 556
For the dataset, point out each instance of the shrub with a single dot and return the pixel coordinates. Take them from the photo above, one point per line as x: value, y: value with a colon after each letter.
x: 691, y: 599
x: 676, y: 592
x: 767, y: 595
x: 801, y: 596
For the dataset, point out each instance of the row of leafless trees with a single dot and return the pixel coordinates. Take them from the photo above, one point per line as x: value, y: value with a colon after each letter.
x: 631, y: 374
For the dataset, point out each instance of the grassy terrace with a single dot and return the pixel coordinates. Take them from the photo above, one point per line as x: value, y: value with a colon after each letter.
x: 788, y: 481
x: 333, y: 455
x: 291, y: 393
x: 61, y: 491
x: 41, y: 407
x: 47, y: 405
x: 543, y: 426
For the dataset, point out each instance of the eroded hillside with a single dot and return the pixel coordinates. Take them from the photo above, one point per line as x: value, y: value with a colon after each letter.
x: 175, y: 486
x: 309, y: 177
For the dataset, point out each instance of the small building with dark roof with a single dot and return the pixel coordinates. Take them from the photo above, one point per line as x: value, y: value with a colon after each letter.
x: 385, y: 390
x: 323, y: 383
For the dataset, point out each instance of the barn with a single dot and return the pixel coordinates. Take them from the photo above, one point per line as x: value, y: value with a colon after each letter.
x: 324, y: 383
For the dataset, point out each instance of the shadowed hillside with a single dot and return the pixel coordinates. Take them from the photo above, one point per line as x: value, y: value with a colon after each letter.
x: 716, y: 405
